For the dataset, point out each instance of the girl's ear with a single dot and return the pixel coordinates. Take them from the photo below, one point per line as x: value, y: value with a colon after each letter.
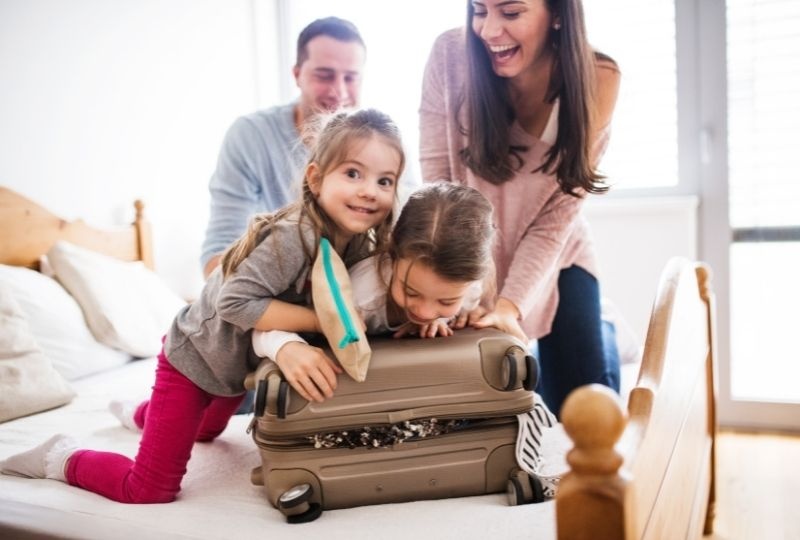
x: 313, y: 178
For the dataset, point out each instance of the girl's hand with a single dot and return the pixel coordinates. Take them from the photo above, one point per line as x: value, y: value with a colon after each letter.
x: 309, y: 370
x: 504, y: 317
x: 436, y: 328
x: 440, y: 328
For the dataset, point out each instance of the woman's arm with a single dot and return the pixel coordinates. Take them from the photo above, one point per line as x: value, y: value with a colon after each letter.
x: 433, y: 121
x: 539, y: 250
x: 607, y: 90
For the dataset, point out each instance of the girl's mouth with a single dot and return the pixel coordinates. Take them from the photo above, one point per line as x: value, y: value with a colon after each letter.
x: 361, y: 209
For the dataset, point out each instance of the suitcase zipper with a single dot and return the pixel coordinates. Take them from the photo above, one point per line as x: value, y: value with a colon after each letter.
x: 295, y: 443
x: 281, y: 428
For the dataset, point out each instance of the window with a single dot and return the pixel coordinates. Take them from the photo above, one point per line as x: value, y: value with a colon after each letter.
x: 764, y: 186
x: 640, y: 36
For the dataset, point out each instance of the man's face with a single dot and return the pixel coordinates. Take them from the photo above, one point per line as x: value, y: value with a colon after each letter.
x: 330, y: 77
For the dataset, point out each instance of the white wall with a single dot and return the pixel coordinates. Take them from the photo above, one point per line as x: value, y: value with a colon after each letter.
x: 634, y: 238
x: 106, y: 101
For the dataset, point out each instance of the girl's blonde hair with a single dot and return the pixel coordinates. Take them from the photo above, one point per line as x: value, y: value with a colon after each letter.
x: 332, y: 138
x: 447, y: 227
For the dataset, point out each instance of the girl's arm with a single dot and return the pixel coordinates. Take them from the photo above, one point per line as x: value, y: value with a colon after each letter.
x: 306, y: 368
x: 288, y: 317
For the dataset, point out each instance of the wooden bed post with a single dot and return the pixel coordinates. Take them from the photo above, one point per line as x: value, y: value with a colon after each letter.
x: 706, y: 293
x: 591, y: 497
x: 143, y: 235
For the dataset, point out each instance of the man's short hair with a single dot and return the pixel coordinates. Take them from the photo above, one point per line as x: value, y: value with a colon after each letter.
x: 334, y: 27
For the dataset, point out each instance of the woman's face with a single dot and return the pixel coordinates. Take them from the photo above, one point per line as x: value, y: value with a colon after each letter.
x: 514, y: 32
x: 425, y: 295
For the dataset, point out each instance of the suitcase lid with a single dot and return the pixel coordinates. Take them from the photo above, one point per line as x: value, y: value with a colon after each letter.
x: 472, y: 374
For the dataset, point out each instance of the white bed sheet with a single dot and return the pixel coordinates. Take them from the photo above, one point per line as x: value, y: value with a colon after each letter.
x: 217, y: 499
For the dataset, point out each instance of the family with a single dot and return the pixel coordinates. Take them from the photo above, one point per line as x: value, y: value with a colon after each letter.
x: 514, y: 115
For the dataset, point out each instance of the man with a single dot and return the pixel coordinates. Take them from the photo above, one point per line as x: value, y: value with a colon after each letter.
x: 262, y: 156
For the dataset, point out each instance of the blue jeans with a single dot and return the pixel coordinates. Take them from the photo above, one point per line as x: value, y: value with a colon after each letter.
x: 580, y: 349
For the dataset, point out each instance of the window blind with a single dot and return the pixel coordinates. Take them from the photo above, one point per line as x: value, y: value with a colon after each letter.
x: 764, y: 112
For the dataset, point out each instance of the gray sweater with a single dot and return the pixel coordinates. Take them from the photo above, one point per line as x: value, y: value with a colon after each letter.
x: 259, y: 169
x: 210, y: 340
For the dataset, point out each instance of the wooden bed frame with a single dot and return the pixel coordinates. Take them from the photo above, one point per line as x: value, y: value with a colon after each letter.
x: 647, y: 472
x: 29, y: 231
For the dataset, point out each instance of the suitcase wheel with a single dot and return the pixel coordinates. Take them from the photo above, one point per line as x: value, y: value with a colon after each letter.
x: 532, y: 369
x: 261, y: 397
x: 514, y: 370
x: 276, y: 395
x: 283, y: 399
x: 296, y: 506
x: 524, y: 489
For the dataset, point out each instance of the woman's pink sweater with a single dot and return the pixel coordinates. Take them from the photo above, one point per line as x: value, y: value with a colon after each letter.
x: 540, y: 229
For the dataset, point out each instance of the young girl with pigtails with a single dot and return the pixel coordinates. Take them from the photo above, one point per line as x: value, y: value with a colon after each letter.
x: 348, y: 196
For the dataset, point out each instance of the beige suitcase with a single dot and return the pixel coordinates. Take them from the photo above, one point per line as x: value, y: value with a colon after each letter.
x: 435, y: 418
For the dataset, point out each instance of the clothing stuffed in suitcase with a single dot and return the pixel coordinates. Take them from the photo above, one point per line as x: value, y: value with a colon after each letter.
x: 466, y: 389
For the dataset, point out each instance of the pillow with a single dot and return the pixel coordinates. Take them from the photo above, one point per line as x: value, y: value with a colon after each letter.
x: 57, y: 324
x: 333, y: 303
x: 28, y: 382
x: 126, y: 305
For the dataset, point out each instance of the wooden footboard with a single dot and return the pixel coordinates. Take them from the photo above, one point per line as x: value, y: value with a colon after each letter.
x: 649, y: 473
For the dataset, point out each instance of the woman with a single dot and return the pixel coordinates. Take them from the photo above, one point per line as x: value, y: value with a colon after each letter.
x: 518, y: 106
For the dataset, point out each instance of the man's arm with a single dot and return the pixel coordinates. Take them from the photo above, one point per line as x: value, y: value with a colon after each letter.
x: 234, y: 190
x: 211, y: 265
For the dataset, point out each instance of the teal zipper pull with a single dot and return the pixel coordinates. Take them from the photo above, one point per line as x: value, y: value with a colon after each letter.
x: 350, y: 333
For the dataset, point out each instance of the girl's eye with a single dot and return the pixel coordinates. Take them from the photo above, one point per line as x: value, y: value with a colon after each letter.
x: 480, y: 14
x: 411, y: 294
x: 448, y: 303
x: 511, y: 16
x: 352, y: 173
x: 386, y: 182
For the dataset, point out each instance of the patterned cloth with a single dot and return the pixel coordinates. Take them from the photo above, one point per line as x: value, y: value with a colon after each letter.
x: 534, y: 426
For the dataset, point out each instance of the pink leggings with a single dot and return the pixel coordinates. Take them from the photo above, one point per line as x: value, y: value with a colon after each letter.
x: 178, y: 414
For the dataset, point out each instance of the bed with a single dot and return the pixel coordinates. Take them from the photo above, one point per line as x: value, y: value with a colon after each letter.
x: 641, y: 471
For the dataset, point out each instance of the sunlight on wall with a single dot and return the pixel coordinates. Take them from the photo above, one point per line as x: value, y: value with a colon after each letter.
x: 106, y: 101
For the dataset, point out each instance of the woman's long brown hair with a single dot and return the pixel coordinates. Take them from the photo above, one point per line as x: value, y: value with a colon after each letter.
x: 490, y: 114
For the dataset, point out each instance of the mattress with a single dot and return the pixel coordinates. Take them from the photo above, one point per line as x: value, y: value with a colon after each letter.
x: 217, y: 499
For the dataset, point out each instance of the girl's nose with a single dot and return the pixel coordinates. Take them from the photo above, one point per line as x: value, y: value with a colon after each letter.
x: 368, y: 190
x: 426, y: 311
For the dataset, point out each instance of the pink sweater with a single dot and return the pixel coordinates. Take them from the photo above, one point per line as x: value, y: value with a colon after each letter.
x: 540, y: 229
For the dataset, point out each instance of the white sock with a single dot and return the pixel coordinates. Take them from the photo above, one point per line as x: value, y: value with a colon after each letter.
x: 44, y: 461
x: 124, y: 411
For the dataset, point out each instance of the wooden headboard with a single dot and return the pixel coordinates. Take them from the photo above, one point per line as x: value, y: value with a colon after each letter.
x: 29, y: 231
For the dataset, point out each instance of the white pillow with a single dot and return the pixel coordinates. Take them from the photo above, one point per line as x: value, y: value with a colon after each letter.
x: 57, y: 324
x: 28, y: 382
x: 126, y: 305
